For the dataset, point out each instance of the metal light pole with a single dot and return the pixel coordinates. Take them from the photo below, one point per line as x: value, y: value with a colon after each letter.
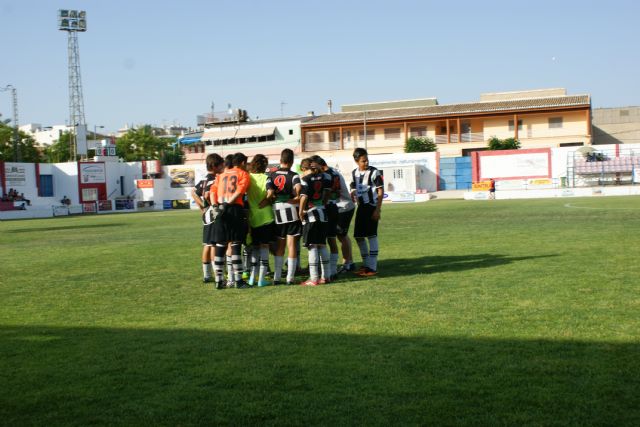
x: 74, y: 21
x: 17, y: 156
x: 95, y: 130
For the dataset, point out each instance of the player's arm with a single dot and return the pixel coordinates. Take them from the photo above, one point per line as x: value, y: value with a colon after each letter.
x: 213, y: 194
x: 379, y: 184
x: 197, y: 199
x: 297, y: 189
x: 303, y: 206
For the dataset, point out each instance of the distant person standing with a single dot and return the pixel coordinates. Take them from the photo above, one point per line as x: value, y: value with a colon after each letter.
x: 200, y: 195
x: 367, y: 188
x: 283, y: 191
x: 227, y: 194
x: 492, y: 189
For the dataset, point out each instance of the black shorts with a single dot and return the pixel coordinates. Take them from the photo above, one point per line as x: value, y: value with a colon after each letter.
x: 293, y: 228
x: 208, y: 237
x: 264, y: 234
x: 314, y: 233
x: 344, y: 220
x: 233, y: 224
x: 365, y: 226
x: 331, y: 211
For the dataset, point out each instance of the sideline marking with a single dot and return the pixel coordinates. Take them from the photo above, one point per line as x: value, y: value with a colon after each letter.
x: 569, y: 205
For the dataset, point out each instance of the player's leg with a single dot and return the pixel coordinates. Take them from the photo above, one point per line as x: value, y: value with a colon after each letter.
x: 292, y: 257
x: 218, y: 264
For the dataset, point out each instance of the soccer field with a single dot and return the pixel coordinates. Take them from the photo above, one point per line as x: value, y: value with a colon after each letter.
x: 502, y: 312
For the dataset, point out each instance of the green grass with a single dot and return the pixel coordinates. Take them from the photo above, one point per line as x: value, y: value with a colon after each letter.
x: 505, y: 312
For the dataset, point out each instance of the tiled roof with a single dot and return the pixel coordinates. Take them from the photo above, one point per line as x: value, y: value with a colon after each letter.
x: 454, y: 109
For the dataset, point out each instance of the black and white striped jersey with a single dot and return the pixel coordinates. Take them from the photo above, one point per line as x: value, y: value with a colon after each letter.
x: 203, y: 186
x: 313, y: 188
x: 283, y: 183
x: 366, y: 183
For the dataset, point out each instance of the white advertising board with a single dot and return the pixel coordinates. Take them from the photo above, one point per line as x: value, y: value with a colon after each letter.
x: 514, y: 165
x: 92, y: 173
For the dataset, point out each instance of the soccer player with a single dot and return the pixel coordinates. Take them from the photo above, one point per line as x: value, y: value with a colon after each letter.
x: 200, y: 195
x: 313, y: 197
x: 367, y: 188
x: 339, y: 210
x: 227, y: 194
x: 283, y: 191
x: 261, y: 220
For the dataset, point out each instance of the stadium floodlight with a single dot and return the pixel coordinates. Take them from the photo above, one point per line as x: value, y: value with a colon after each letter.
x: 72, y: 20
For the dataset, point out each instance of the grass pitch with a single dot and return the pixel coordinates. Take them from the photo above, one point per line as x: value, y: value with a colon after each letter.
x: 503, y: 312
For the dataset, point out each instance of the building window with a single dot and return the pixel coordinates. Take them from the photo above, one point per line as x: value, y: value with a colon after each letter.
x: 419, y: 131
x: 315, y: 137
x: 347, y: 135
x: 334, y: 136
x: 555, y: 122
x: 392, y: 133
x: 371, y: 134
x: 511, y: 127
x: 46, y: 186
x: 290, y: 131
x: 398, y: 174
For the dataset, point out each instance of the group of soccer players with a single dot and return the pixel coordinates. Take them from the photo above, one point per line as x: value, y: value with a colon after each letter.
x: 242, y: 204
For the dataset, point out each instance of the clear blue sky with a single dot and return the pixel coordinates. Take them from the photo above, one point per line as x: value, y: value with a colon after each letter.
x: 164, y: 62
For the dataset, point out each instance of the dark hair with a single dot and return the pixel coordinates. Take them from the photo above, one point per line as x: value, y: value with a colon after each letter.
x: 359, y: 152
x: 238, y: 159
x: 305, y: 164
x: 228, y: 161
x: 213, y: 161
x: 258, y: 164
x: 286, y: 156
x: 319, y: 160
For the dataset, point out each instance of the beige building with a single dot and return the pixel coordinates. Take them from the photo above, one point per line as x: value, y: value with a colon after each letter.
x: 616, y: 125
x: 537, y: 118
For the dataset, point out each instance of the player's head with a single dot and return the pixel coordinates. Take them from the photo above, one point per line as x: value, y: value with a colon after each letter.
x: 228, y: 161
x: 306, y: 166
x: 319, y: 161
x: 258, y: 164
x: 286, y: 157
x: 361, y: 158
x: 239, y: 160
x: 214, y: 162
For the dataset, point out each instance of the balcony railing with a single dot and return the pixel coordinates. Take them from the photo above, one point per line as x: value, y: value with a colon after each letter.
x: 464, y: 137
x: 322, y: 146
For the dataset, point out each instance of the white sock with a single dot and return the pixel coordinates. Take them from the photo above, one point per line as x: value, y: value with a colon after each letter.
x: 373, y: 253
x: 364, y: 251
x: 333, y: 261
x: 230, y: 268
x: 254, y: 266
x: 324, y: 262
x: 291, y: 269
x: 264, y: 264
x: 277, y: 273
x: 314, y: 260
x: 206, y: 270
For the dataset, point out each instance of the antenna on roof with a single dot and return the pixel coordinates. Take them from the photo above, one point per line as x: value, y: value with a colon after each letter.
x: 282, y: 104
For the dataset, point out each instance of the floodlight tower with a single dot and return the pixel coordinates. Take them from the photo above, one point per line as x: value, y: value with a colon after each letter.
x: 73, y: 22
x: 16, y: 134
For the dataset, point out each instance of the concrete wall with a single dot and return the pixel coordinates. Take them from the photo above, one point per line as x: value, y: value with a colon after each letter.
x: 616, y: 125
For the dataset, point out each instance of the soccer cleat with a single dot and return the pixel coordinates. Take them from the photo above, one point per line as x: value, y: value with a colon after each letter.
x: 345, y: 268
x: 242, y: 285
x: 263, y: 283
x: 309, y: 283
x: 207, y: 279
x: 245, y: 276
x: 334, y: 277
x: 221, y: 285
x: 324, y: 282
x: 361, y: 270
x: 290, y: 283
x: 276, y: 282
x: 229, y: 284
x: 367, y: 272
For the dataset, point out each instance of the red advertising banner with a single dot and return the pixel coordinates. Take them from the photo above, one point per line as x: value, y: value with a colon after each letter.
x: 144, y: 183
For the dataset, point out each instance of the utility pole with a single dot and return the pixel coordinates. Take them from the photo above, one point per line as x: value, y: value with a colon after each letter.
x: 282, y: 104
x: 17, y: 156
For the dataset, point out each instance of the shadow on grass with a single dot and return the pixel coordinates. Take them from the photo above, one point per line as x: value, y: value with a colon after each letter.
x: 63, y: 228
x: 439, y: 264
x: 185, y: 377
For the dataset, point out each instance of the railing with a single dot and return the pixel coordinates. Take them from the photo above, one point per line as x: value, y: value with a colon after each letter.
x: 464, y: 137
x: 322, y: 146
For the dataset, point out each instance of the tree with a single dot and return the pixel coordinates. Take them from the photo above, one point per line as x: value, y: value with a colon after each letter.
x: 419, y: 145
x: 143, y: 144
x: 59, y: 151
x: 496, y: 143
x: 29, y: 150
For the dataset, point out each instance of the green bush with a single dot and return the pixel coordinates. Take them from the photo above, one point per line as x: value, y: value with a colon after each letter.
x: 419, y: 145
x: 496, y: 143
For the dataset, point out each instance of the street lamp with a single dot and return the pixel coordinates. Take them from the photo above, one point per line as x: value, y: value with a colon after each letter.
x: 95, y: 130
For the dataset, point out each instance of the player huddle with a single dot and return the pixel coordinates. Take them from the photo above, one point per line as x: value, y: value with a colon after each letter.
x: 242, y: 204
